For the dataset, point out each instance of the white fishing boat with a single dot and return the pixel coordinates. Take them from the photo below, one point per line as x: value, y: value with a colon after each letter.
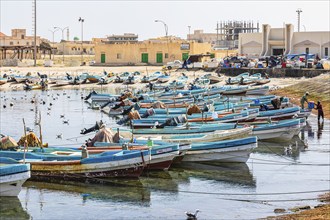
x: 12, y: 176
x: 261, y: 90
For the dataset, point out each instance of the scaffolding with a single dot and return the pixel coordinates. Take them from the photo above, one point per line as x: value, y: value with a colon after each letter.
x: 228, y: 31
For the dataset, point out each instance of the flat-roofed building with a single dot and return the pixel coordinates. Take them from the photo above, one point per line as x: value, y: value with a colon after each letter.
x: 283, y: 41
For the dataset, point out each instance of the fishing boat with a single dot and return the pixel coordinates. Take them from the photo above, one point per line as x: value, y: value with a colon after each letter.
x: 237, y: 150
x: 213, y: 79
x: 236, y: 80
x: 231, y: 90
x: 71, y: 165
x: 204, y: 137
x: 151, y: 78
x: 277, y: 131
x: 3, y: 81
x: 12, y: 176
x: 262, y: 90
x: 161, y: 153
x: 163, y: 78
x: 285, y: 113
x: 189, y: 128
x: 261, y: 81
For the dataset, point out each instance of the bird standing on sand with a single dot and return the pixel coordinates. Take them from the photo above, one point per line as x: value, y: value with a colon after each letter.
x: 191, y: 216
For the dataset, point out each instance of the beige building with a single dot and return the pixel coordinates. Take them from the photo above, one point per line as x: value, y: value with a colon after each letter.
x: 74, y: 47
x: 283, y: 41
x: 18, y: 45
x: 202, y: 37
x: 156, y: 51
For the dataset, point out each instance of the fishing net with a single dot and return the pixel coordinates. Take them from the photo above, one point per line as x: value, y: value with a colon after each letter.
x: 32, y: 140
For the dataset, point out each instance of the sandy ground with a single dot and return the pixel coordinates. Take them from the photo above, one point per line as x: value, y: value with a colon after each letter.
x: 54, y: 72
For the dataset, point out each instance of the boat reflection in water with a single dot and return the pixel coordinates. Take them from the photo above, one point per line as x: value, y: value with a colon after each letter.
x: 290, y: 149
x: 115, y: 190
x: 11, y: 208
x: 233, y: 173
x: 161, y: 180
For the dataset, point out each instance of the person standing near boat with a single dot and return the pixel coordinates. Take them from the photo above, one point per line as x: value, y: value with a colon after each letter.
x: 303, y: 100
x: 320, y: 113
x: 277, y: 102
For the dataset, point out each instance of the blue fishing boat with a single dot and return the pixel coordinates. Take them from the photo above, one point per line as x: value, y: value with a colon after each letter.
x: 238, y: 150
x: 71, y: 164
x: 285, y: 113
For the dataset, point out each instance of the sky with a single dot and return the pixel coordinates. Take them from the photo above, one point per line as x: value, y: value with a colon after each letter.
x: 106, y: 17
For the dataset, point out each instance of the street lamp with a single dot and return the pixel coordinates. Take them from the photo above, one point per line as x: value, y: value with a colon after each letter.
x: 53, y: 32
x: 82, y: 36
x: 166, y: 33
x: 62, y: 29
x: 189, y: 32
x: 165, y: 26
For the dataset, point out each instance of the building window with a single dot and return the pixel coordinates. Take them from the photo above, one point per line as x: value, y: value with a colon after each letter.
x: 166, y: 55
x: 91, y: 49
x: 17, y: 42
x: 22, y: 36
x: 326, y: 51
x: 28, y: 43
x: 11, y: 43
x: 78, y: 48
x: 72, y: 48
x: 307, y: 50
x: 118, y: 56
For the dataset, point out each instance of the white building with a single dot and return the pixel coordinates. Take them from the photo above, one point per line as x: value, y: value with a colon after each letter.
x: 278, y: 41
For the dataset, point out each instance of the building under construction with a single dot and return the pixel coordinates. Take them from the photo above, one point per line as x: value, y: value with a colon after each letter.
x: 228, y: 31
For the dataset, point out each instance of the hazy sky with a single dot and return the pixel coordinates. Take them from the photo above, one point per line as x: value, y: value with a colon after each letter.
x: 104, y: 17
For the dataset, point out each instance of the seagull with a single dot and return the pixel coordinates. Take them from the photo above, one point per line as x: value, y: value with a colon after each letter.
x: 59, y: 136
x: 191, y: 216
x: 65, y: 121
x: 62, y: 115
x: 48, y: 113
x: 4, y: 106
x: 31, y: 109
x: 49, y: 108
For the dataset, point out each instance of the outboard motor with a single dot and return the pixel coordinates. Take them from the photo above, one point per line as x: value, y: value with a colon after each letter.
x: 68, y: 76
x: 96, y: 127
x: 148, y: 113
x: 90, y: 95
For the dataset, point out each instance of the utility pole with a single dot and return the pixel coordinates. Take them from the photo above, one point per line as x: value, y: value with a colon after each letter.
x: 299, y: 11
x: 82, y: 38
x: 35, y: 32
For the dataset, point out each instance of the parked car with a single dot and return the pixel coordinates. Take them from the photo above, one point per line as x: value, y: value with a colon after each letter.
x: 174, y: 65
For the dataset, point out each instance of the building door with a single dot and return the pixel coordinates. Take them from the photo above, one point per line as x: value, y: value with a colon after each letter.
x: 159, y: 58
x: 103, y: 58
x: 185, y: 56
x: 144, y: 58
x: 277, y: 51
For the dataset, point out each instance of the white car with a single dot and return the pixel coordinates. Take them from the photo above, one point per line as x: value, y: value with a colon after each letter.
x: 174, y: 65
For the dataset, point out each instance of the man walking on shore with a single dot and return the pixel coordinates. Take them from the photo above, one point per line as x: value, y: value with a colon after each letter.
x: 319, y: 111
x: 303, y: 100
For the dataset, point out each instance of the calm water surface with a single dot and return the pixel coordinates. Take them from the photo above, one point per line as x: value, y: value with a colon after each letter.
x: 272, y: 178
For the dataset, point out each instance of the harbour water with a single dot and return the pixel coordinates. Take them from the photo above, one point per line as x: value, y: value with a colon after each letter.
x: 277, y: 175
